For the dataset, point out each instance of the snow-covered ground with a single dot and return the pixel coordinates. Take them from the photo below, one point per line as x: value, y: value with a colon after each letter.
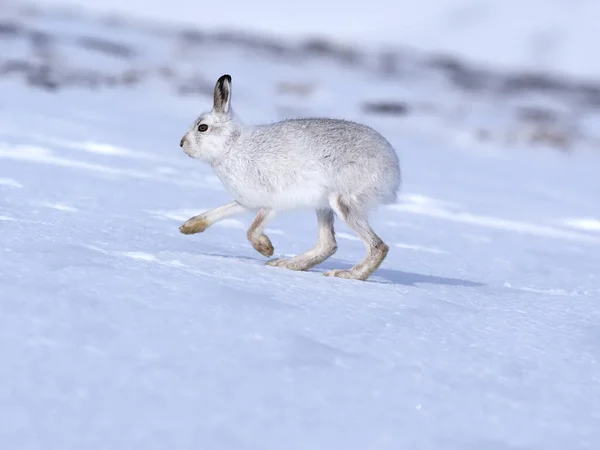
x: 481, y: 330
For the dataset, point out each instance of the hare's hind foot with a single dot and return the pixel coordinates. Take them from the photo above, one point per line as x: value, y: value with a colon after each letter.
x: 377, y: 250
x: 323, y: 249
x: 366, y: 267
x: 290, y: 264
x: 341, y: 273
x: 303, y: 262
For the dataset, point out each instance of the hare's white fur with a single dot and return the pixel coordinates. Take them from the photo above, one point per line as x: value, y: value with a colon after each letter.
x: 328, y: 165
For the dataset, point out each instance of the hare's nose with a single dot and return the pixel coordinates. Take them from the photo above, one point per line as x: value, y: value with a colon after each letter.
x: 182, y: 141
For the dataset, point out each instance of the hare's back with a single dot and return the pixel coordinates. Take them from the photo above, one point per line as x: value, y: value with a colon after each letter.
x: 306, y: 160
x: 356, y: 158
x: 332, y: 139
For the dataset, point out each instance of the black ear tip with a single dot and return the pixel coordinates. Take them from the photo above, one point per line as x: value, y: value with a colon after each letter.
x: 224, y: 78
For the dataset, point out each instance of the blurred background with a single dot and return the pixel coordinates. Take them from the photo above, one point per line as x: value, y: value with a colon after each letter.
x: 528, y: 63
x: 542, y: 35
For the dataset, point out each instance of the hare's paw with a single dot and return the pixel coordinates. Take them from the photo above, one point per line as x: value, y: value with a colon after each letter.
x: 194, y: 225
x: 348, y: 274
x: 263, y: 245
x: 289, y: 264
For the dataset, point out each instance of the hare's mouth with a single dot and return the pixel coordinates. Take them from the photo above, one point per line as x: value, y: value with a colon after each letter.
x: 184, y: 145
x: 189, y: 152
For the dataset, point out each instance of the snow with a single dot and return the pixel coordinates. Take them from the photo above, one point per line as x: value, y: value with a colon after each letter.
x: 539, y: 35
x: 481, y: 330
x: 583, y: 224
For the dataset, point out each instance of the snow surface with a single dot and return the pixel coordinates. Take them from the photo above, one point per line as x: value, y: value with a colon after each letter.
x: 541, y: 35
x: 481, y: 330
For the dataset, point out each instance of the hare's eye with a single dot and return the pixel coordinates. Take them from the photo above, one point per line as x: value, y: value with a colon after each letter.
x: 202, y: 127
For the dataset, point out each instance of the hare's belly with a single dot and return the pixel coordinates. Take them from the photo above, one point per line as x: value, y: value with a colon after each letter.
x: 279, y: 191
x: 296, y: 198
x: 290, y: 197
x: 303, y: 196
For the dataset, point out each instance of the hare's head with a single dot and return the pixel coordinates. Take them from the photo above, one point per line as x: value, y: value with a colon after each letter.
x: 213, y: 132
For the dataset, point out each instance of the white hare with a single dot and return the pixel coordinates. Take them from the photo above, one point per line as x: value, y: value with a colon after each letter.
x: 327, y: 165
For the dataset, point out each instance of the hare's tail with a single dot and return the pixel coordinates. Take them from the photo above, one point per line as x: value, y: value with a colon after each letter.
x: 390, y: 199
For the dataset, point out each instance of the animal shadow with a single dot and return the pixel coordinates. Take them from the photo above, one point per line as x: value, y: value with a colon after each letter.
x: 392, y: 276
x: 389, y: 276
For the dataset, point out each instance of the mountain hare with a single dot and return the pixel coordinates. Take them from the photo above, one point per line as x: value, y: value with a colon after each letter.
x: 327, y: 165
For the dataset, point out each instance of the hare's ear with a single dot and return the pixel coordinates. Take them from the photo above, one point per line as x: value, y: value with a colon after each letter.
x: 222, y: 94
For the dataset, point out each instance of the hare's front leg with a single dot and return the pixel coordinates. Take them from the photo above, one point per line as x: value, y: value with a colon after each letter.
x: 198, y: 224
x: 356, y: 218
x: 325, y: 247
x: 255, y: 234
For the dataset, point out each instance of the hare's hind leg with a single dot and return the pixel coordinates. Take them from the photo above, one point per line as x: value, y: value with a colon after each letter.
x: 198, y: 224
x: 356, y: 218
x: 324, y: 248
x: 255, y: 234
